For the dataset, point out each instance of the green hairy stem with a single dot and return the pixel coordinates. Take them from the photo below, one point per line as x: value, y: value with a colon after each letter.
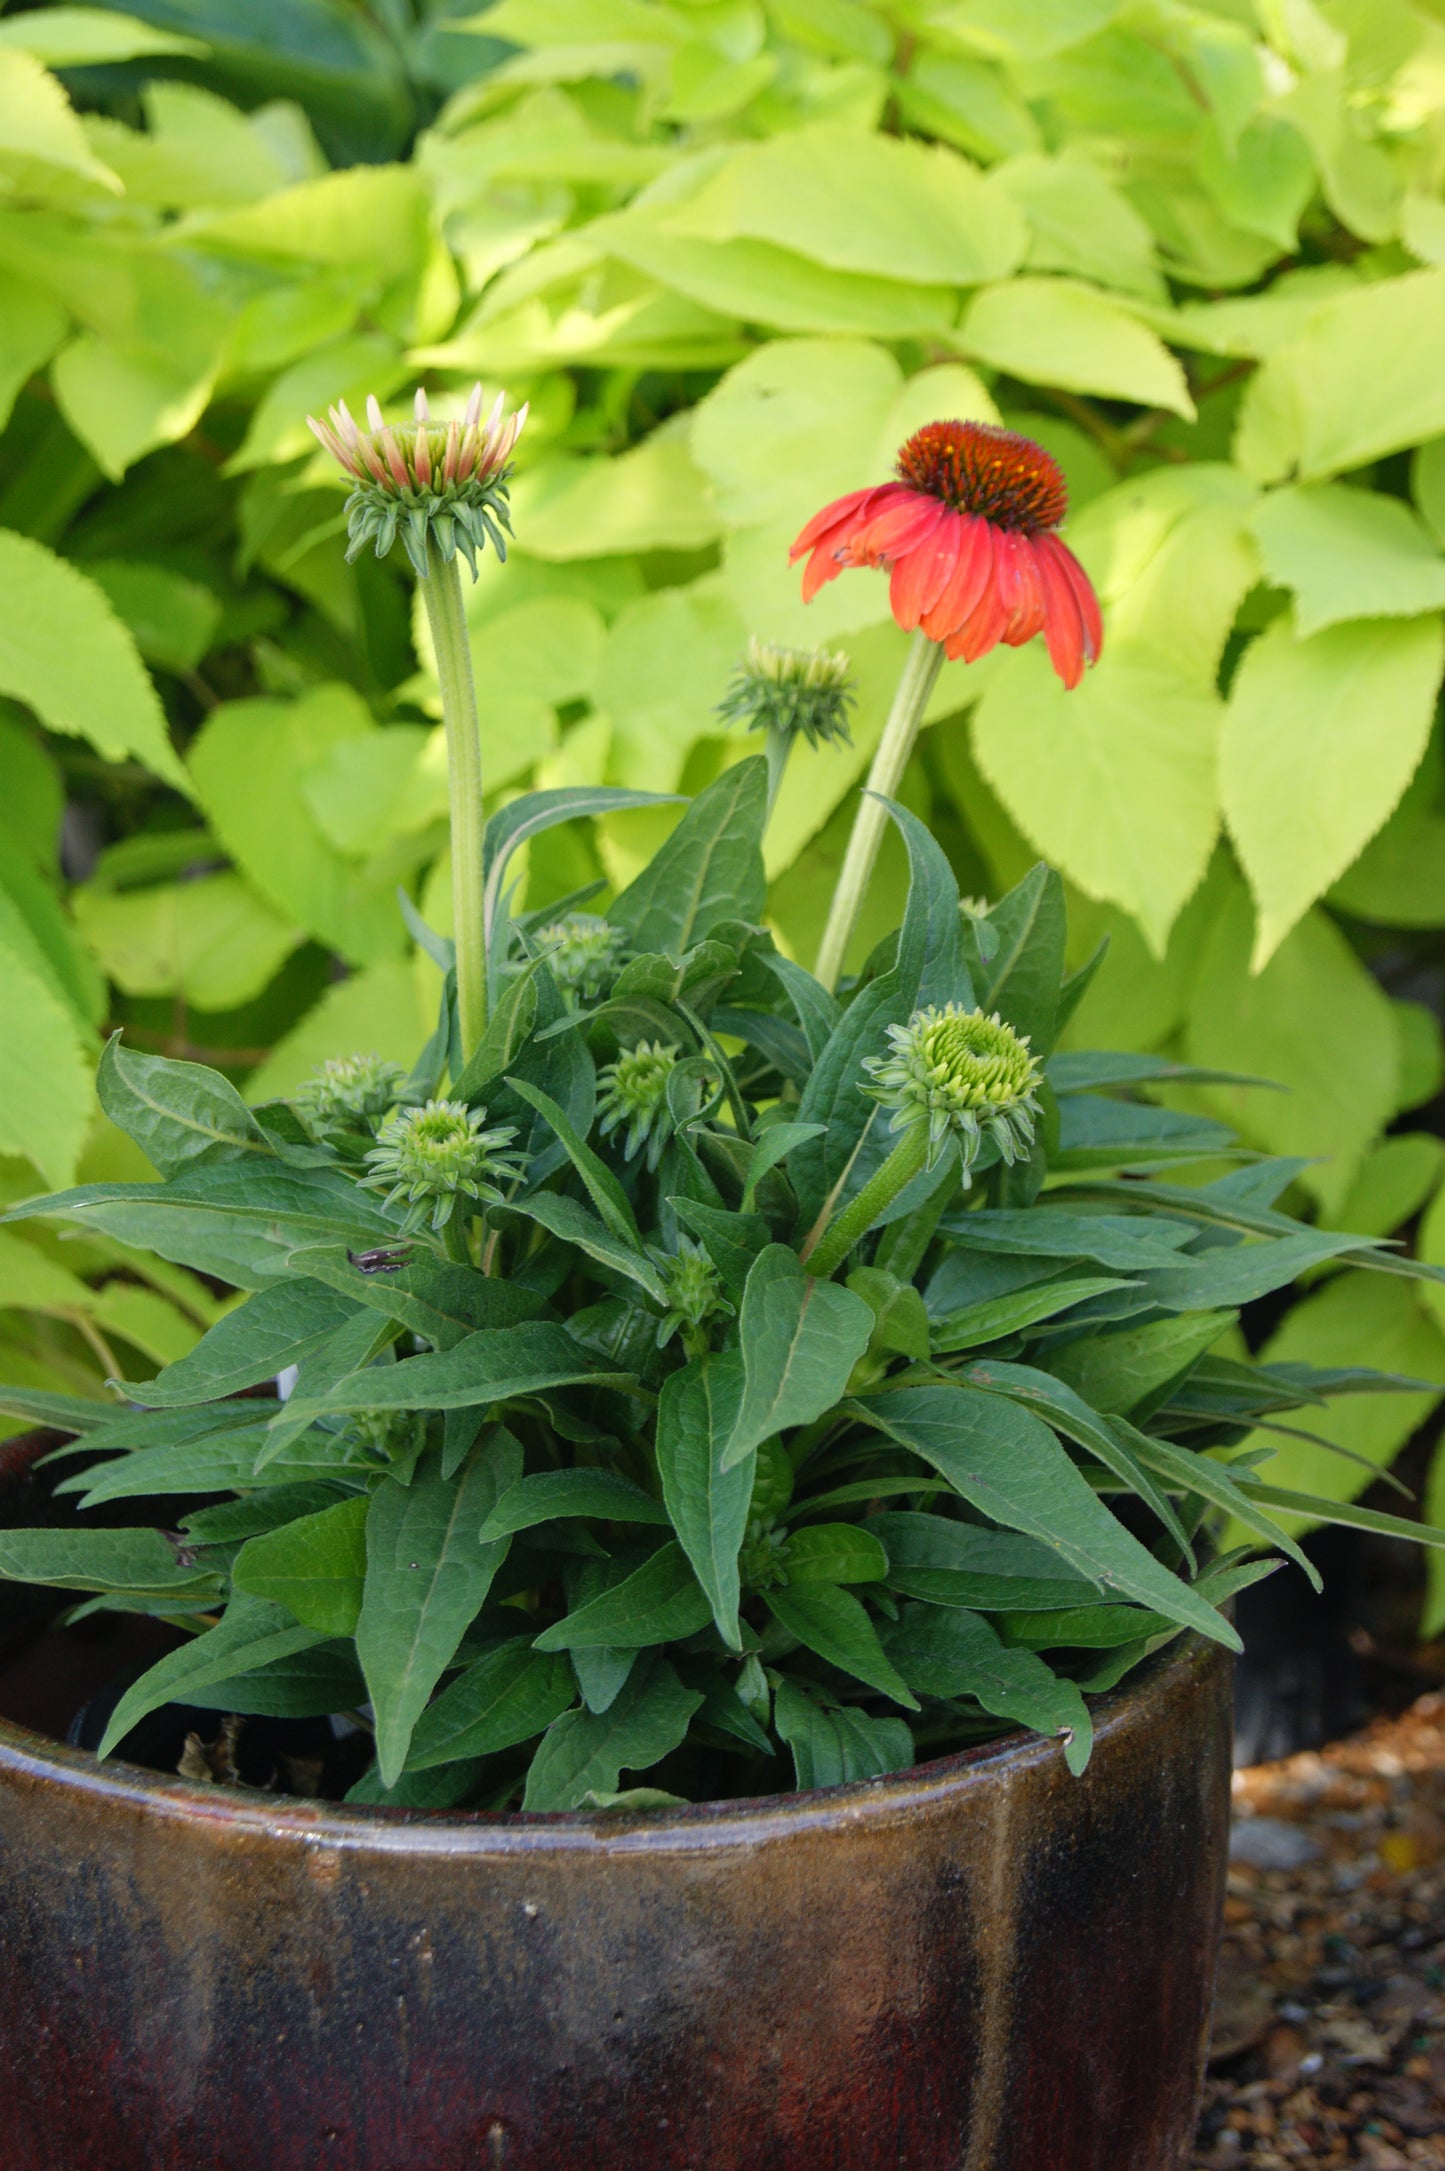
x: 442, y: 591
x: 925, y: 659
x: 881, y: 1189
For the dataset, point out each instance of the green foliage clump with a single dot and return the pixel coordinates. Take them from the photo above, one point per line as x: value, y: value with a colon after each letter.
x: 1198, y: 252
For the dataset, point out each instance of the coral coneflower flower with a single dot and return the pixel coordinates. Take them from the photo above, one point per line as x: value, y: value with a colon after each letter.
x: 968, y: 530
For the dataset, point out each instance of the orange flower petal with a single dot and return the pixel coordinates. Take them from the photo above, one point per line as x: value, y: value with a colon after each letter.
x: 920, y: 575
x: 1063, y: 624
x: 1083, y: 593
x: 969, y: 578
x: 832, y: 516
x: 1020, y: 588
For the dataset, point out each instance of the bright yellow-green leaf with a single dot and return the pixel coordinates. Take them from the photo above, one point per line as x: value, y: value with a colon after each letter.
x: 1317, y: 1023
x: 1114, y: 782
x: 664, y: 670
x: 1392, y: 1186
x: 122, y: 398
x: 1031, y: 29
x: 32, y: 326
x: 39, y: 131
x: 1053, y: 331
x: 373, y: 216
x: 1171, y: 557
x: 212, y: 940
x: 376, y: 1012
x: 31, y: 1280
x: 199, y: 153
x: 65, y: 653
x: 1359, y: 380
x: 1348, y: 553
x: 47, y: 1092
x: 1079, y: 222
x: 171, y: 618
x: 1399, y: 878
x: 792, y: 427
x: 357, y: 790
x: 1320, y: 739
x: 341, y: 369
x: 1360, y: 182
x: 86, y: 37
x: 1356, y: 1318
x: 249, y: 763
x: 145, y: 1319
x: 870, y: 203
x: 652, y: 498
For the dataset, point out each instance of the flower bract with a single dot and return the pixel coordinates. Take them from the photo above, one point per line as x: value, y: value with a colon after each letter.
x: 962, y: 1072
x: 429, y: 1158
x: 350, y: 1088
x: 633, y: 1094
x: 967, y: 529
x: 582, y: 952
x: 791, y: 690
x: 443, y: 483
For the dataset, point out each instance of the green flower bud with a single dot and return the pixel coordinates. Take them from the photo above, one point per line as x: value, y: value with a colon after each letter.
x: 583, y: 953
x: 760, y: 1563
x: 388, y: 1435
x: 431, y: 1157
x: 772, y: 1479
x: 443, y: 482
x: 963, y: 1072
x: 350, y: 1089
x: 634, y: 1093
x: 693, y: 1291
x: 791, y: 690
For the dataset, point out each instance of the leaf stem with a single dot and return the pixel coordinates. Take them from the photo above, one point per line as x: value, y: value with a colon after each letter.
x: 446, y: 615
x: 900, y: 732
x: 881, y: 1189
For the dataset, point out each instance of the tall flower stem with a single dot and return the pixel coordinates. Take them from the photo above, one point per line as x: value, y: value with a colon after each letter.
x: 900, y: 733
x: 777, y: 745
x: 907, y: 1159
x: 442, y: 590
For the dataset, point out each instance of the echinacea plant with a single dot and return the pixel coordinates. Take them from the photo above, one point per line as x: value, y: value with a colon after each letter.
x: 694, y: 1376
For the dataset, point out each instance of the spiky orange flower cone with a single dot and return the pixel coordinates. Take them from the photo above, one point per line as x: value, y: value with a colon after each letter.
x: 968, y: 531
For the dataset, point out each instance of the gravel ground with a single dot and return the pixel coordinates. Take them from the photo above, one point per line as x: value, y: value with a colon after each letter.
x: 1329, y: 2039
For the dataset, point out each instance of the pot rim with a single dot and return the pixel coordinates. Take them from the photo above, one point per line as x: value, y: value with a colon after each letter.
x: 743, y: 1820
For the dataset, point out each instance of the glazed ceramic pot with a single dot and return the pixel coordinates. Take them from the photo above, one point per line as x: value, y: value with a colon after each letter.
x: 982, y: 1964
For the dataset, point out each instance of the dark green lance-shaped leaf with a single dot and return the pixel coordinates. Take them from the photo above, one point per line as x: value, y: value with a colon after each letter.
x: 1006, y: 1462
x: 774, y: 1145
x: 175, y: 1112
x: 1092, y: 1070
x: 315, y: 1567
x: 490, y: 1366
x: 306, y: 1684
x: 1069, y: 1414
x: 833, y: 1623
x: 1189, y: 1473
x: 251, y: 1634
x: 710, y: 869
x: 569, y: 1219
x: 835, y: 1745
x: 696, y: 973
x: 221, y: 1461
x: 426, y: 1580
x: 968, y: 1564
x: 731, y: 1241
x: 507, y: 1696
x: 103, y: 1560
x: 347, y: 1353
x: 1347, y: 1512
x: 121, y: 1429
x: 776, y: 1039
x: 439, y: 1299
x: 800, y: 1338
x: 232, y: 1522
x: 900, y: 1319
x: 276, y: 1327
x: 660, y: 1602
x: 1240, y: 1273
x: 1083, y: 1628
x: 1097, y: 1133
x: 928, y: 967
x: 947, y: 1652
x: 708, y: 1504
x: 509, y: 1028
x: 833, y: 1553
x: 63, y: 1413
x: 585, y: 1752
x: 605, y: 1192
x: 817, y: 1011
x: 548, y: 1494
x: 1132, y: 1371
x: 528, y: 816
x: 264, y: 1196
x: 990, y: 1321
x: 1021, y: 979
x: 1127, y: 1244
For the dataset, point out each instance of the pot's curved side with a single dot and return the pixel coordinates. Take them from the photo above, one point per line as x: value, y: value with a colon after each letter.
x: 984, y: 1965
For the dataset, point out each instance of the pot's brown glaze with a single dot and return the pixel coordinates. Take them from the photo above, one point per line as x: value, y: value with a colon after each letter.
x: 980, y: 1965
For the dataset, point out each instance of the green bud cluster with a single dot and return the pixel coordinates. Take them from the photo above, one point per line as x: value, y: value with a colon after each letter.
x: 350, y: 1089
x: 583, y: 953
x: 432, y: 1157
x: 634, y: 1095
x: 791, y: 690
x: 960, y: 1072
x: 760, y: 1563
x: 692, y: 1289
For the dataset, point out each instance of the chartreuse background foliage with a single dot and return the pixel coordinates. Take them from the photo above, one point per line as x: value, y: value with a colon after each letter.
x: 732, y: 251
